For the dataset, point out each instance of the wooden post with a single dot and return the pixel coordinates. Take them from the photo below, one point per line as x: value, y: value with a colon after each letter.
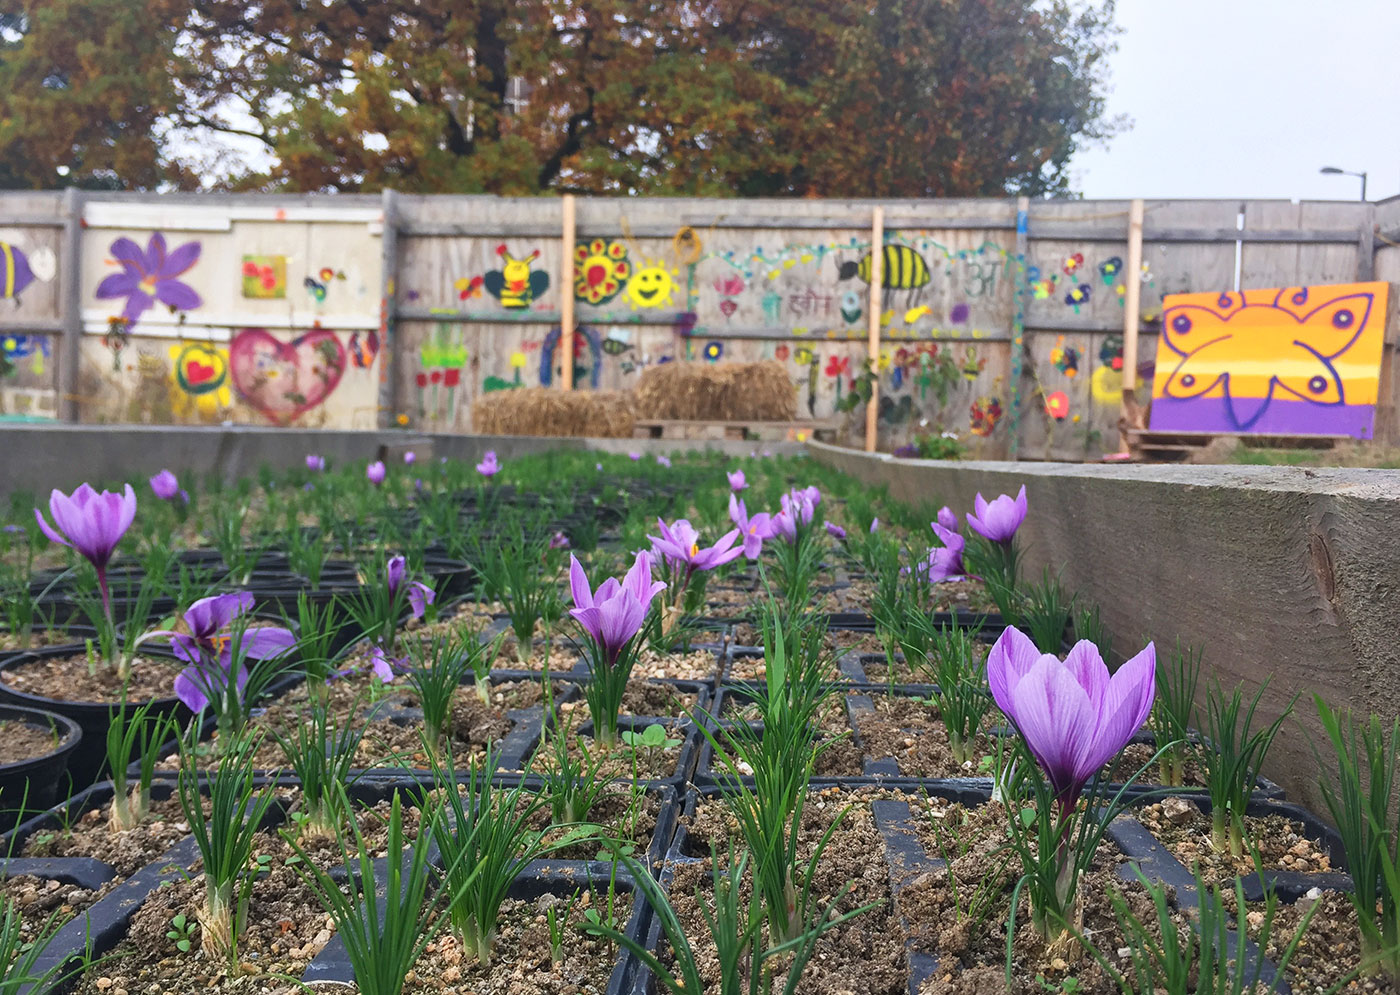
x: 389, y: 345
x: 1018, y: 325
x: 70, y: 303
x: 877, y: 278
x: 1132, y: 309
x: 566, y: 297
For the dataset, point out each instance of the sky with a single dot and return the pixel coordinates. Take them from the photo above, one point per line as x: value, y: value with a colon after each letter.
x: 1249, y: 99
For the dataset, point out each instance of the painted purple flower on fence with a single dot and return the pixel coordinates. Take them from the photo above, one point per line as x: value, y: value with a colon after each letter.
x: 420, y: 595
x: 737, y: 481
x: 613, y: 614
x: 149, y: 276
x: 489, y: 465
x: 91, y: 523
x: 752, y: 530
x: 375, y: 472
x: 1073, y: 716
x: 208, y: 648
x: 946, y: 563
x: 679, y: 546
x: 999, y: 520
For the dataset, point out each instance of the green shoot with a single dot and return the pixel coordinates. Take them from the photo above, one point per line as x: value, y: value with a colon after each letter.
x: 1233, y: 761
x: 1359, y: 802
x: 237, y: 811
x: 137, y: 732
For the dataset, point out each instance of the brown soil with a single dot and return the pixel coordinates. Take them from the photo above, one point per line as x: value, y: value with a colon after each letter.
x: 128, y: 851
x: 38, y: 639
x: 68, y: 678
x: 388, y: 739
x: 20, y: 741
x: 697, y: 665
x: 1131, y: 760
x: 864, y: 955
x: 911, y: 731
x: 755, y: 668
x: 1329, y: 951
x: 1282, y: 843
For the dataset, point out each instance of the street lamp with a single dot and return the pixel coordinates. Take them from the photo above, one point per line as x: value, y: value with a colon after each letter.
x: 1334, y: 171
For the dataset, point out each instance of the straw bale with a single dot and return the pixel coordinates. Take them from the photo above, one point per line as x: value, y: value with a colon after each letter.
x: 741, y: 392
x: 599, y: 414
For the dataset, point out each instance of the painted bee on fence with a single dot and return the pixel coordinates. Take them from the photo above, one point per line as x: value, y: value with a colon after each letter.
x: 903, y: 269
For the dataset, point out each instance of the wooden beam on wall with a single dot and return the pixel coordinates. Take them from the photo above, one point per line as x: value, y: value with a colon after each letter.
x: 70, y: 305
x: 875, y: 307
x: 1018, y: 326
x: 566, y: 295
x: 1132, y: 313
x: 390, y: 348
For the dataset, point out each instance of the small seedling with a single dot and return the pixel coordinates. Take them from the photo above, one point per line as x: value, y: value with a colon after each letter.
x: 653, y: 737
x: 182, y: 932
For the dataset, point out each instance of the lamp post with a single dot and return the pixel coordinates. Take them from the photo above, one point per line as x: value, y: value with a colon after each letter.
x: 1334, y: 171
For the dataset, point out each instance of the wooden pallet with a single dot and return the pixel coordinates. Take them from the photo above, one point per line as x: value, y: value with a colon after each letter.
x: 1176, y: 447
x: 761, y: 431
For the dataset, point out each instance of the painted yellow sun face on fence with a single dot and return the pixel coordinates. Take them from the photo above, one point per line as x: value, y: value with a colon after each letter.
x: 652, y: 287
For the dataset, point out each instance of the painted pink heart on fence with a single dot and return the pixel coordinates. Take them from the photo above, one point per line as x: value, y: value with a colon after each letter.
x: 284, y: 380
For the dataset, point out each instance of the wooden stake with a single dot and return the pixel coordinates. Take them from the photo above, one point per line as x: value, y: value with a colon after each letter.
x: 566, y: 298
x: 877, y: 274
x: 1132, y: 308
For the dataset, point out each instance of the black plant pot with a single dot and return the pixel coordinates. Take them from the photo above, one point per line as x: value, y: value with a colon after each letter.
x: 27, y: 785
x: 92, y: 717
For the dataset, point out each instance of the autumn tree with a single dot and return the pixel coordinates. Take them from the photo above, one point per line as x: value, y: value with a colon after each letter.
x: 85, y: 87
x: 703, y: 97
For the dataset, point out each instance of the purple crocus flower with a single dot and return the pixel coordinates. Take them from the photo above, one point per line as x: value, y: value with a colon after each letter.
x: 380, y: 665
x: 559, y: 541
x: 835, y: 531
x: 946, y: 563
x: 752, y: 530
x: 664, y: 461
x: 679, y: 545
x: 874, y: 525
x: 314, y: 463
x: 92, y: 524
x: 376, y: 472
x: 1073, y: 716
x: 207, y: 648
x: 634, y: 457
x: 948, y: 518
x: 737, y: 482
x: 410, y: 456
x: 613, y: 614
x: 999, y: 520
x: 489, y: 465
x: 420, y: 595
x: 165, y: 485
x: 150, y: 276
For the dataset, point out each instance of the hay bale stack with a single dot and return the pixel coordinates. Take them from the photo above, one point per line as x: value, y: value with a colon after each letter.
x: 599, y: 414
x: 741, y: 392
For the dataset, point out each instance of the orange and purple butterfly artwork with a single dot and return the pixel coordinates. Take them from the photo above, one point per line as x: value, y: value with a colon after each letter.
x: 1290, y: 361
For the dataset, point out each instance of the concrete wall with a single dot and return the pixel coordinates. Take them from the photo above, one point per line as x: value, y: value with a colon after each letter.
x: 37, y: 458
x: 1279, y: 571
